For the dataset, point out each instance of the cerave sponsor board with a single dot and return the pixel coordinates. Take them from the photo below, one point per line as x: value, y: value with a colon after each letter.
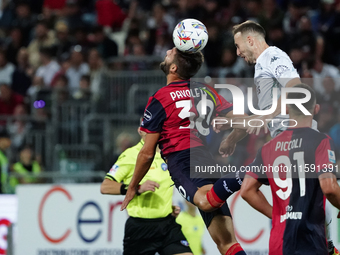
x: 78, y: 219
x: 8, y: 215
x: 68, y: 218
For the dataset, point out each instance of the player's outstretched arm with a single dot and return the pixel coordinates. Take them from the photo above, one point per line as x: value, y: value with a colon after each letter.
x: 144, y: 161
x: 330, y: 188
x: 250, y: 192
x: 111, y: 187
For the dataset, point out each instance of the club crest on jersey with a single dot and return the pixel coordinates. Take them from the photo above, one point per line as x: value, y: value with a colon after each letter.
x: 113, y: 169
x: 184, y: 242
x: 147, y: 115
x: 331, y: 156
x: 280, y: 69
x: 164, y: 166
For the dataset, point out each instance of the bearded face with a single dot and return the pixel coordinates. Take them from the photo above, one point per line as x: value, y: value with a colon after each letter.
x: 168, y: 60
x: 165, y: 67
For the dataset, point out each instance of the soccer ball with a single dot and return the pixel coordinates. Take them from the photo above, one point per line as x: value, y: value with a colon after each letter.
x: 190, y: 35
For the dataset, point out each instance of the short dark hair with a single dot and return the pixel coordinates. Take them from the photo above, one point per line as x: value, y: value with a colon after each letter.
x: 249, y: 26
x: 308, y: 105
x: 188, y: 63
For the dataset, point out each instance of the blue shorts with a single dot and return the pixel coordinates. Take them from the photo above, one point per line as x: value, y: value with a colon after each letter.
x: 180, y: 163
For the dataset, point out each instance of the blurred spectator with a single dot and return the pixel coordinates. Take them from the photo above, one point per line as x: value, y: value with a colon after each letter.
x: 292, y: 18
x: 48, y: 16
x: 319, y: 71
x: 297, y: 57
x: 84, y: 92
x: 330, y: 96
x: 63, y: 43
x: 334, y: 133
x: 80, y: 38
x: 56, y: 6
x: 328, y: 24
x: 123, y: 141
x: 105, y: 46
x: 49, y: 67
x: 72, y: 15
x: 77, y: 68
x: 7, y: 14
x: 305, y: 38
x: 271, y: 15
x: 20, y: 127
x: 231, y: 64
x: 160, y: 21
x: 96, y: 69
x: 60, y: 90
x: 40, y: 119
x: 5, y: 143
x: 8, y: 100
x: 325, y: 118
x: 253, y: 9
x: 26, y: 165
x: 64, y: 66
x: 277, y: 37
x: 163, y: 43
x: 14, y: 43
x: 21, y: 80
x: 213, y: 49
x: 24, y: 20
x: 109, y: 14
x: 131, y: 40
x: 138, y: 51
x: 42, y: 38
x: 6, y: 69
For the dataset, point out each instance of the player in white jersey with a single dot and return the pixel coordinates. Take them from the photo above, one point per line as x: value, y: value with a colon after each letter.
x: 273, y: 69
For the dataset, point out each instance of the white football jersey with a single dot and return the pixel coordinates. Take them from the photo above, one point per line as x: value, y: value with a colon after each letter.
x: 273, y: 69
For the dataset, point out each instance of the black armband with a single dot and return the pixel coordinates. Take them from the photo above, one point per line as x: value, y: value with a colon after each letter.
x: 123, y: 189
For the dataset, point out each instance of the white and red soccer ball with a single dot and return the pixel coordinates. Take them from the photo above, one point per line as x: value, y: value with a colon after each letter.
x: 190, y: 35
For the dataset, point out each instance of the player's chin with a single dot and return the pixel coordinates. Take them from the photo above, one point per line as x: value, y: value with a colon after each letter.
x: 250, y: 63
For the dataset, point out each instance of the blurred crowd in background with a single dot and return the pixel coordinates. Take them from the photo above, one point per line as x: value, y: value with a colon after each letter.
x: 62, y: 48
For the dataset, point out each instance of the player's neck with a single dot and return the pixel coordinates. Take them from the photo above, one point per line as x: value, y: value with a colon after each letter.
x: 301, y: 122
x: 172, y: 78
x: 260, y: 47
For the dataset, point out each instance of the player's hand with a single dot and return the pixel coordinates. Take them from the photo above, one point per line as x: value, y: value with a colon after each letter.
x: 131, y: 192
x: 258, y: 122
x: 148, y: 186
x: 227, y: 148
x: 220, y: 123
x: 175, y: 210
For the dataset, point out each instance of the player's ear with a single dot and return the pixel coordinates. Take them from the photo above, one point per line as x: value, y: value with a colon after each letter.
x: 316, y: 109
x: 250, y: 40
x: 173, y: 68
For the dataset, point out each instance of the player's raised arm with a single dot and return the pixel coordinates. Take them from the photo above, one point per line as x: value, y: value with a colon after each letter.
x: 144, y: 161
x: 250, y: 192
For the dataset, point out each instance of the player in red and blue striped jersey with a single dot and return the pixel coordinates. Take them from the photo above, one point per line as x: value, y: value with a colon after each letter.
x: 299, y: 166
x: 173, y: 119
